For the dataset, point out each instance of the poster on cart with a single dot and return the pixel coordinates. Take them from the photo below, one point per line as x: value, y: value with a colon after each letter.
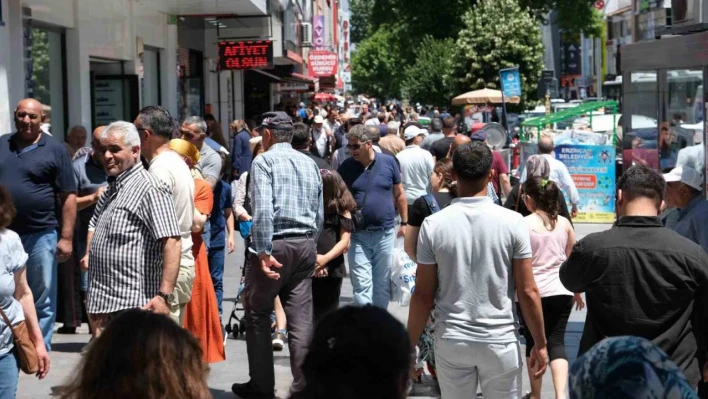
x: 592, y: 168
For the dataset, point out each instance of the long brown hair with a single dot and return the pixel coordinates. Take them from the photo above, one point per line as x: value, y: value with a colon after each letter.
x: 7, y: 208
x: 337, y: 198
x: 141, y: 355
x: 546, y: 196
x: 444, y: 168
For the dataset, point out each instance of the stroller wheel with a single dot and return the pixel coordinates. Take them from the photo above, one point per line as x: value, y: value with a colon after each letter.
x: 242, y: 326
x: 228, y: 328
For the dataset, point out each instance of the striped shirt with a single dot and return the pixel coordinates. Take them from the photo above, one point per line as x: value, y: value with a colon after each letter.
x: 125, y: 257
x: 286, y: 196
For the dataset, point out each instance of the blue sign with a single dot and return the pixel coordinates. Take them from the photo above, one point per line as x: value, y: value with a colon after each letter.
x: 510, y: 82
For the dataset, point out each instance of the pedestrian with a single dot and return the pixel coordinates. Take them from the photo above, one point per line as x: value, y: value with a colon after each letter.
x: 500, y: 177
x: 374, y: 179
x: 36, y: 170
x: 458, y: 141
x: 435, y: 134
x: 136, y: 341
x: 214, y: 135
x: 75, y: 139
x: 640, y: 278
x: 134, y: 239
x: 240, y: 150
x: 552, y: 239
x: 416, y: 165
x: 684, y: 189
x: 340, y: 139
x: 332, y: 243
x: 194, y: 130
x: 441, y: 147
x: 559, y: 173
x: 383, y: 127
x: 476, y: 341
x: 155, y: 126
x: 331, y: 123
x: 302, y: 142
x: 391, y: 141
x: 357, y: 352
x: 16, y: 303
x: 536, y: 166
x: 201, y: 314
x: 321, y: 139
x: 344, y: 153
x: 286, y: 197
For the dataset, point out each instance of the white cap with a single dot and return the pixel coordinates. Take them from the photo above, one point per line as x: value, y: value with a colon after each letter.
x: 413, y: 131
x: 318, y: 119
x: 686, y: 175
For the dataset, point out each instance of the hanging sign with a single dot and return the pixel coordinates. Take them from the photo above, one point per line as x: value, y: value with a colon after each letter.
x: 510, y: 82
x: 246, y: 55
x: 322, y: 63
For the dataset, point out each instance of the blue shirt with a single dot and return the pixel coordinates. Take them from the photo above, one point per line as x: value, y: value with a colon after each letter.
x: 379, y: 212
x: 286, y: 196
x: 213, y: 144
x: 241, y: 152
x: 222, y: 200
x: 692, y: 222
x: 89, y: 177
x: 34, y: 177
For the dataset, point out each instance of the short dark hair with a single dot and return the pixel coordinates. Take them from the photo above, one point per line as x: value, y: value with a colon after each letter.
x: 448, y: 123
x: 642, y: 182
x: 374, y: 133
x: 436, y: 125
x: 382, y: 117
x: 209, y: 117
x: 472, y: 163
x: 158, y: 119
x: 7, y: 208
x: 301, y: 135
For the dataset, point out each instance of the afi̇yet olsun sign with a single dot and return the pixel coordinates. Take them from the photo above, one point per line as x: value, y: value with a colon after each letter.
x: 246, y: 55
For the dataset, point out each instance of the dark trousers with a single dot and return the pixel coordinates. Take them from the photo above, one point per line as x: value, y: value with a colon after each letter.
x: 325, y: 295
x: 298, y: 257
x: 70, y: 299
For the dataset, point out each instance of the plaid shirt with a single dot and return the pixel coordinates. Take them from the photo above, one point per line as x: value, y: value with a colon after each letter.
x: 125, y: 257
x: 286, y: 196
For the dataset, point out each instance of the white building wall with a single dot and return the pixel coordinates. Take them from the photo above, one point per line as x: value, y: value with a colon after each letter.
x: 5, y: 68
x: 54, y: 12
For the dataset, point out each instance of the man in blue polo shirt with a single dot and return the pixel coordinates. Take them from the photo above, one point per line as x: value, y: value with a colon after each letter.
x: 36, y: 170
x: 374, y: 180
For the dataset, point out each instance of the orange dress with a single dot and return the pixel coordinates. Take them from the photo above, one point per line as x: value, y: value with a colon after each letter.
x: 202, y: 314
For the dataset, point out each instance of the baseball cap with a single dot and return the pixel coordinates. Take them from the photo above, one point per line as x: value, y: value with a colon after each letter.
x: 318, y: 119
x: 686, y: 175
x: 479, y: 136
x: 412, y: 132
x: 276, y: 120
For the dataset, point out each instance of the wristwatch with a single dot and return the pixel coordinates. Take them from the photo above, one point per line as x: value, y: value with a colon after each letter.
x: 404, y: 223
x: 167, y: 297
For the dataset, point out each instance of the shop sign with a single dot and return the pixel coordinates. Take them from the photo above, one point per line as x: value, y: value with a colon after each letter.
x: 246, y: 55
x: 510, y: 82
x: 318, y: 34
x: 322, y: 63
x: 293, y: 87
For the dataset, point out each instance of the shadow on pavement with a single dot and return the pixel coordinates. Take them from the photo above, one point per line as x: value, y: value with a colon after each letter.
x: 68, y: 347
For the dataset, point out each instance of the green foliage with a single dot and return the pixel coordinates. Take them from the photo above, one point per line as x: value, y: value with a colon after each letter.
x: 429, y: 80
x: 574, y: 16
x: 40, y: 65
x: 499, y: 34
x: 360, y: 19
x: 376, y: 70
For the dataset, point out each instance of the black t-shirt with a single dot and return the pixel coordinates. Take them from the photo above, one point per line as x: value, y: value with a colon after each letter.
x: 440, y: 148
x: 420, y: 210
x: 329, y: 237
x: 513, y: 199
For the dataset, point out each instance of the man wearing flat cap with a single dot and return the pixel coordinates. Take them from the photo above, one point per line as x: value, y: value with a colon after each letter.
x: 286, y: 198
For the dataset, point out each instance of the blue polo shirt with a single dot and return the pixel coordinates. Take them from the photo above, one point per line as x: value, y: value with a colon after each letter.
x: 222, y: 200
x: 379, y: 212
x: 34, y: 177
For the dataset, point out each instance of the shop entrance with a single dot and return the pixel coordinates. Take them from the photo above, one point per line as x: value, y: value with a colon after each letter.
x: 114, y: 95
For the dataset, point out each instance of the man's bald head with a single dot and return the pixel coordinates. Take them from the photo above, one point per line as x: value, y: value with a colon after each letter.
x: 97, y: 132
x: 458, y: 141
x: 30, y: 103
x: 545, y: 145
x: 28, y: 119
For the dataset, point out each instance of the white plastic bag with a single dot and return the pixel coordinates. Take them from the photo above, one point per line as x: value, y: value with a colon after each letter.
x: 402, y: 274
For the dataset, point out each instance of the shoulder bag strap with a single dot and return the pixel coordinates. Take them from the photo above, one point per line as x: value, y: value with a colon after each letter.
x: 432, y: 203
x: 7, y: 321
x: 368, y: 183
x: 518, y: 198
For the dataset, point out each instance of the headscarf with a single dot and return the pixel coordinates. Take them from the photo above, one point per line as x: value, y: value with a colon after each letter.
x: 627, y: 367
x: 189, y: 152
x: 537, y: 166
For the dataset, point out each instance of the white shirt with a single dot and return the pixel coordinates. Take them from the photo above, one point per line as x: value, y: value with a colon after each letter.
x: 561, y: 176
x: 173, y: 171
x: 416, y: 167
x: 320, y: 141
x: 330, y: 126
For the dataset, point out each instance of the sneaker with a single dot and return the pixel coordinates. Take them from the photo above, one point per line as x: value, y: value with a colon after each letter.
x: 279, y: 340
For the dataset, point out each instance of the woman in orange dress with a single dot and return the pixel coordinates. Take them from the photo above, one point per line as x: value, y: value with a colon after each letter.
x: 201, y: 314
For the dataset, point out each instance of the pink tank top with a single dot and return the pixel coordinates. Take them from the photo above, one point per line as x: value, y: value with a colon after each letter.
x: 548, y: 256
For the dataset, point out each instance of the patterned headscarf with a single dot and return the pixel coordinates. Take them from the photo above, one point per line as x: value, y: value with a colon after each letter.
x: 186, y: 150
x: 538, y: 166
x: 627, y: 367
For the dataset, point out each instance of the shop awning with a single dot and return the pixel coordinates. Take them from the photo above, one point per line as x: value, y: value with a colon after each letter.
x: 269, y: 75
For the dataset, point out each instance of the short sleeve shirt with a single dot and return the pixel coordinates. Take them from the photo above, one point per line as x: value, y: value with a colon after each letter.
x: 499, y: 168
x: 12, y: 260
x: 209, y: 162
x: 34, y: 176
x: 384, y: 173
x: 222, y: 200
x: 89, y: 178
x: 420, y: 210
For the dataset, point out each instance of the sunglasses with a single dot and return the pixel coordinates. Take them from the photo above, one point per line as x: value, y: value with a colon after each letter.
x: 356, y: 146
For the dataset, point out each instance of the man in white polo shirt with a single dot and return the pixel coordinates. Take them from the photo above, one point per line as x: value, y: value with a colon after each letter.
x: 472, y: 278
x: 416, y: 164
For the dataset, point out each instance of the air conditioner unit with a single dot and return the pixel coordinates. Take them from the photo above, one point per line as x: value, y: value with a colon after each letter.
x: 306, y: 34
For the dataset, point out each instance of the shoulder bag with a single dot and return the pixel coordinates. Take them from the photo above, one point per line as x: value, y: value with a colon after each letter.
x: 26, y: 353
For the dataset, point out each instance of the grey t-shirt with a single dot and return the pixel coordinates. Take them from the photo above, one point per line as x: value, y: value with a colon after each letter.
x: 12, y: 259
x: 432, y: 137
x: 89, y: 177
x: 473, y: 241
x: 209, y: 162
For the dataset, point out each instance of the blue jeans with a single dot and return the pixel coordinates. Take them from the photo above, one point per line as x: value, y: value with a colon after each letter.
x: 9, y: 375
x: 80, y: 252
x: 42, y: 278
x: 216, y: 269
x: 370, y: 259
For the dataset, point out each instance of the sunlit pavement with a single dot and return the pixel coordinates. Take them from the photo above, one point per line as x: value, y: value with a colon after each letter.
x: 66, y: 348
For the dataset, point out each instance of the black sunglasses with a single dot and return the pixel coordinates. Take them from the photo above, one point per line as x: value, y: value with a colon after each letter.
x: 355, y: 146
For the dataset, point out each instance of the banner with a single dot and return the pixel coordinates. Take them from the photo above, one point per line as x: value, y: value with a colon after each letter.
x: 592, y: 168
x: 318, y: 31
x: 322, y: 63
x: 510, y: 82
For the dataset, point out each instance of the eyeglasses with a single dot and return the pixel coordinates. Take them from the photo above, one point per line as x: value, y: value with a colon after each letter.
x: 356, y: 146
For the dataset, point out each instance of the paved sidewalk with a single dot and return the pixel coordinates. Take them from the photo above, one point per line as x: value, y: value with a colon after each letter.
x: 66, y: 348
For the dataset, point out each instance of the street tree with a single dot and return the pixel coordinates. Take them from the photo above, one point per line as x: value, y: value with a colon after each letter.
x: 430, y: 80
x: 376, y: 70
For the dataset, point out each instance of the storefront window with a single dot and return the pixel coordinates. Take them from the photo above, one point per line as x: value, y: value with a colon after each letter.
x: 681, y: 114
x: 47, y: 84
x: 639, y: 121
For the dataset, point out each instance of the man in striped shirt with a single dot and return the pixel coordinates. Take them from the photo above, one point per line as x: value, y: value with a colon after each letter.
x: 134, y: 238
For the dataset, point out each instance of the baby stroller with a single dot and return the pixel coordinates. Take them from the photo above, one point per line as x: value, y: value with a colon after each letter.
x: 237, y: 324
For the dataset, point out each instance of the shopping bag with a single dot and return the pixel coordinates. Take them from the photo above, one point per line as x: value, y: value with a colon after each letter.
x: 402, y: 274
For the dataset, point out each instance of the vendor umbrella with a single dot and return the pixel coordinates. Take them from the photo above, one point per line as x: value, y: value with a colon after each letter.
x: 484, y: 96
x: 323, y: 97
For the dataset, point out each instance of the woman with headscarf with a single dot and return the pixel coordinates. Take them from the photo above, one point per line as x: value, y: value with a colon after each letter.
x: 202, y: 313
x: 536, y: 166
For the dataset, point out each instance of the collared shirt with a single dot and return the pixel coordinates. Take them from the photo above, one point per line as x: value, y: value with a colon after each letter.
x: 125, y: 257
x: 416, y: 167
x: 693, y: 222
x: 432, y: 137
x: 561, y: 176
x: 641, y: 279
x: 34, y: 176
x: 209, y: 162
x: 286, y: 196
x: 89, y: 177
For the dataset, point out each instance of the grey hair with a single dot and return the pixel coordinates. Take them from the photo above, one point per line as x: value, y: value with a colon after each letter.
x: 282, y: 135
x: 359, y: 132
x: 125, y: 129
x: 196, y: 120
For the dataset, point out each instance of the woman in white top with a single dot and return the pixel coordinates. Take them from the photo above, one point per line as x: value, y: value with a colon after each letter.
x: 552, y: 239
